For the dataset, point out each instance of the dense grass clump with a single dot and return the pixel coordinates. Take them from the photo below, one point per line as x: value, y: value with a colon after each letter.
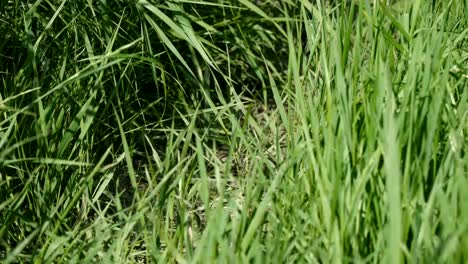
x: 233, y: 131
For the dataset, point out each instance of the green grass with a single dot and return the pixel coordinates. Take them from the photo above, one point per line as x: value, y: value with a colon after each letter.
x: 233, y: 131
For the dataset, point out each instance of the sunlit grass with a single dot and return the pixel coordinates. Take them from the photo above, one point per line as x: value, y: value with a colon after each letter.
x: 233, y: 131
